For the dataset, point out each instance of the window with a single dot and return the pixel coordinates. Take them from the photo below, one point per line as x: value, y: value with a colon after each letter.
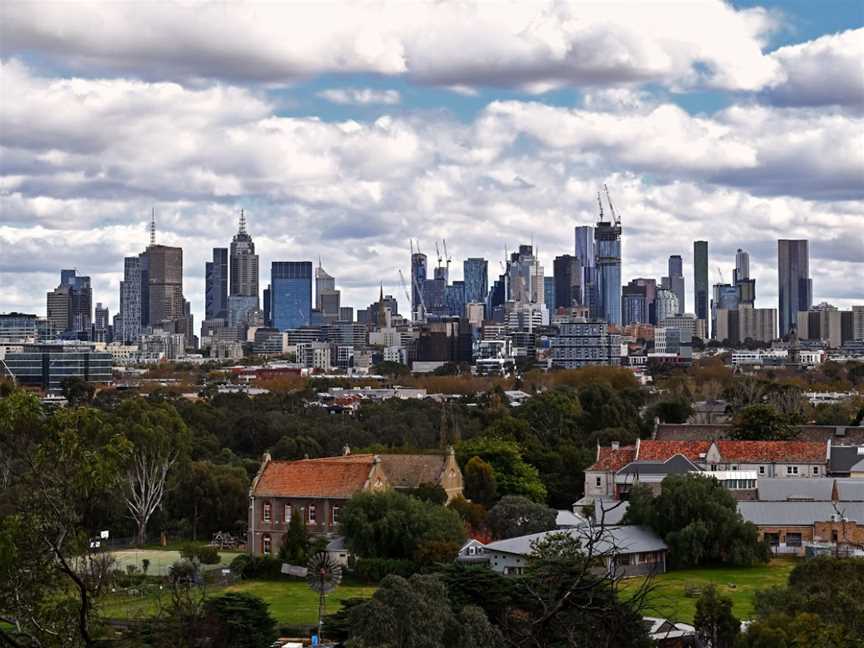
x: 734, y: 467
x: 268, y: 512
x: 815, y: 470
x: 793, y: 539
x: 265, y: 544
x: 598, y: 481
x: 471, y: 551
x: 761, y: 470
x: 288, y: 512
x: 791, y: 470
x: 334, y: 514
x: 312, y: 514
x: 773, y: 539
x: 713, y: 467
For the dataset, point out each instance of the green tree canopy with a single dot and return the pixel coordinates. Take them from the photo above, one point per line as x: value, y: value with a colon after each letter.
x: 239, y: 620
x: 761, y: 422
x: 699, y: 520
x: 393, y: 525
x: 715, y: 624
x: 480, y: 484
x: 513, y: 476
x: 515, y: 516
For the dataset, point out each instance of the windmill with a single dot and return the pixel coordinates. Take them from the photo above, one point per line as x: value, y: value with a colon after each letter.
x: 323, y: 576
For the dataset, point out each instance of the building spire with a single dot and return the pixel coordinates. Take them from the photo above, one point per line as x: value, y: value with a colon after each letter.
x: 242, y: 222
x: 153, y: 227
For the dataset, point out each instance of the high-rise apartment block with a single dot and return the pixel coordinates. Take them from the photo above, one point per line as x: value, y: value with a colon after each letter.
x: 567, y: 279
x: 475, y: 272
x: 795, y: 290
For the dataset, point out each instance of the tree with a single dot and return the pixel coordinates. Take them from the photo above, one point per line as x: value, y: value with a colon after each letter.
x: 211, y: 497
x: 603, y: 407
x: 416, y: 613
x: 474, y: 515
x: 393, y: 525
x: 513, y: 476
x: 715, y: 624
x: 295, y: 542
x: 761, y: 423
x: 480, y: 483
x: 515, y: 516
x: 429, y: 492
x: 552, y: 416
x: 699, y: 520
x: 77, y: 391
x: 60, y: 467
x: 676, y: 410
x: 160, y: 438
x: 239, y: 620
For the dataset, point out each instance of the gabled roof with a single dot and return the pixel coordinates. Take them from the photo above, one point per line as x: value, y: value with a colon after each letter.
x: 844, y: 457
x: 338, y: 477
x: 651, y: 450
x: 411, y: 470
x: 798, y: 513
x: 676, y: 464
x: 613, y: 459
x: 615, y: 539
x: 772, y: 451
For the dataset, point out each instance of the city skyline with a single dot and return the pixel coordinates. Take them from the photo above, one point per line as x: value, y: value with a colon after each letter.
x: 346, y: 157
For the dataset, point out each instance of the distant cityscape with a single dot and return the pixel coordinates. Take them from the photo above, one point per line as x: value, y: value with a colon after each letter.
x: 582, y: 314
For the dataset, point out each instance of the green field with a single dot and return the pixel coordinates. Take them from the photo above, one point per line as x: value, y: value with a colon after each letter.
x: 669, y: 598
x: 291, y: 601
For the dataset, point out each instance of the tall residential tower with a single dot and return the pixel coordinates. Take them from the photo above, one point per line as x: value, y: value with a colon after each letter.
x: 795, y: 288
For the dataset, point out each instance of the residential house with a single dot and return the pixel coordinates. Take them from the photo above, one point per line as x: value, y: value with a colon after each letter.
x: 846, y: 461
x: 319, y: 488
x: 737, y: 464
x: 623, y: 550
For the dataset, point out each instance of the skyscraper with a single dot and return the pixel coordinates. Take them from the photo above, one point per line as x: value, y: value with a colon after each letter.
x: 418, y: 280
x: 795, y: 286
x: 700, y: 279
x: 475, y: 272
x: 216, y: 285
x: 165, y: 284
x: 745, y: 286
x: 525, y: 277
x: 549, y: 292
x: 634, y: 304
x: 666, y: 305
x: 675, y: 280
x: 132, y: 290
x: 290, y: 294
x: 585, y: 253
x: 70, y: 305
x: 607, y: 259
x: 327, y: 298
x: 244, y: 263
x: 567, y: 273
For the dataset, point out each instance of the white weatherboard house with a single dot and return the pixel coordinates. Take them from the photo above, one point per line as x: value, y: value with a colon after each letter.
x: 628, y: 550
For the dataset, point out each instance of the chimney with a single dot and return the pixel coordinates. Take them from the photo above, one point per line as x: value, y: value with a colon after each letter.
x: 615, y: 445
x: 346, y: 450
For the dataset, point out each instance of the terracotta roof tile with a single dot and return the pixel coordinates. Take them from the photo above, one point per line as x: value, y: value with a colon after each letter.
x: 651, y: 450
x: 609, y: 459
x: 339, y: 477
x: 773, y: 451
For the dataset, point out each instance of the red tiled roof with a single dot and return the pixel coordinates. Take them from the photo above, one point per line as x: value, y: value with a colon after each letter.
x: 327, y: 477
x: 772, y: 451
x: 609, y: 459
x: 651, y: 450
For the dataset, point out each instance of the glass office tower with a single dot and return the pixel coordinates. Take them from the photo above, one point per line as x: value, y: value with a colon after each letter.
x: 290, y: 294
x: 607, y: 259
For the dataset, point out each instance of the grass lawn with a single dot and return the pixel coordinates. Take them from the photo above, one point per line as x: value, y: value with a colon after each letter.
x: 669, y: 599
x: 291, y: 601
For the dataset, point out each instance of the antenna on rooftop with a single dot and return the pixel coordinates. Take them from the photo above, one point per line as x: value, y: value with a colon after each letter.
x: 242, y: 222
x: 153, y: 227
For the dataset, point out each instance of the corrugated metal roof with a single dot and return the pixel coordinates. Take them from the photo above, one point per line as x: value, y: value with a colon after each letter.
x: 798, y: 513
x: 818, y: 489
x: 615, y: 539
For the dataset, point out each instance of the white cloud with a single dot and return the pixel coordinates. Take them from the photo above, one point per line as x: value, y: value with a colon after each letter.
x: 360, y: 96
x: 83, y: 161
x: 825, y: 71
x: 532, y: 44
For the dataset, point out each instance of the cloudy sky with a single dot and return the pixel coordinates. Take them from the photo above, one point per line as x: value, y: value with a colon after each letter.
x: 346, y: 129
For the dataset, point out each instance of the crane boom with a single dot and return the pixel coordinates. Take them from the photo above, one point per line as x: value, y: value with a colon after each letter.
x: 600, y: 204
x: 611, y: 208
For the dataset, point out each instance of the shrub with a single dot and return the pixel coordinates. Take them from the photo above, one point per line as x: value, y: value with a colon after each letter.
x: 376, y: 569
x: 204, y: 554
x: 246, y: 567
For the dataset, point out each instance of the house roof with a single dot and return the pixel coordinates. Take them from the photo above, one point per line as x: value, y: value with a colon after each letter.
x: 651, y: 450
x: 610, y: 511
x: 338, y: 477
x: 817, y: 489
x: 613, y: 459
x: 798, y: 513
x: 844, y: 457
x: 411, y: 470
x: 772, y: 451
x: 615, y: 539
x: 676, y: 464
x: 567, y: 519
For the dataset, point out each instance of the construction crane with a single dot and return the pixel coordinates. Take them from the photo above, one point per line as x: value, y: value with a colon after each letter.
x: 447, y: 257
x: 600, y: 204
x: 611, y: 208
x: 438, y: 254
x: 405, y: 290
x: 719, y: 274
